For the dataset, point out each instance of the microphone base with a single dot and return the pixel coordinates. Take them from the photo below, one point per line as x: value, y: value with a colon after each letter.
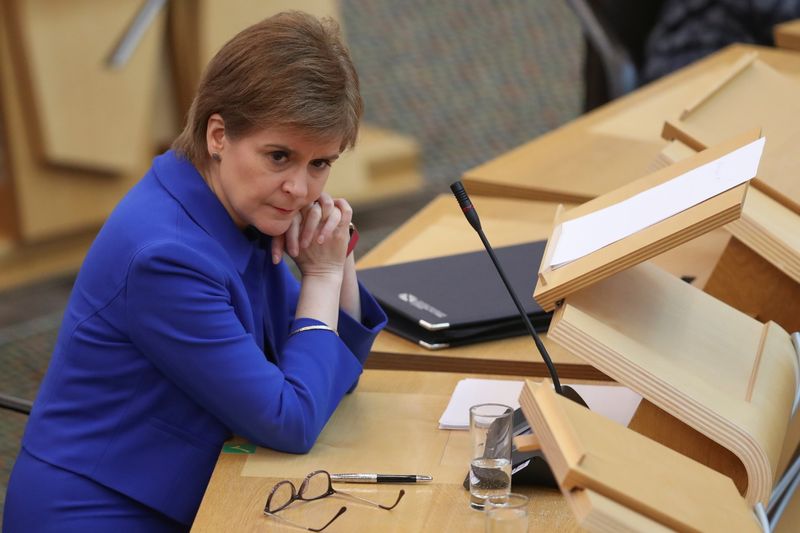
x: 572, y: 394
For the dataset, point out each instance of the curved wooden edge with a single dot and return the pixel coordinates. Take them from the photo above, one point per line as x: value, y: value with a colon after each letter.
x: 688, y: 411
x: 588, y: 451
x: 700, y: 373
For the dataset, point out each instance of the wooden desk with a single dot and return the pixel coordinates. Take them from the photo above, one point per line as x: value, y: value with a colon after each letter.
x: 388, y: 424
x: 612, y: 145
x: 787, y: 35
x: 440, y: 229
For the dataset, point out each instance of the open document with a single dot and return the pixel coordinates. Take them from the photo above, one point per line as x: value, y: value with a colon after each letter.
x: 582, y: 236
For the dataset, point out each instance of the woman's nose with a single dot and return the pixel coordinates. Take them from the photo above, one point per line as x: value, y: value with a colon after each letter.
x: 296, y: 184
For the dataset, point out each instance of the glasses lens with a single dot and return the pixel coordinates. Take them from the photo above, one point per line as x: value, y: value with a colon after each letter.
x: 281, y: 496
x: 315, y: 486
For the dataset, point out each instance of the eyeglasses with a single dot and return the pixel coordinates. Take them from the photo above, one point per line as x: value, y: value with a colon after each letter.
x: 315, y: 486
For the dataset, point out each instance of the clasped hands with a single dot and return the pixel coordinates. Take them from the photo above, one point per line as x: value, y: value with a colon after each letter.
x: 317, y: 237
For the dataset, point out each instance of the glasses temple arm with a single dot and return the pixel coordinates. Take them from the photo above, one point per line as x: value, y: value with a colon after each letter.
x: 315, y: 529
x: 376, y: 504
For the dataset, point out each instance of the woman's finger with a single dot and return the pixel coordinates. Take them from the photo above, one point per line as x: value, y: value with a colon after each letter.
x: 311, y: 219
x: 326, y: 203
x: 292, y: 236
x: 327, y: 206
x: 347, y: 211
x: 346, y: 215
x: 330, y: 225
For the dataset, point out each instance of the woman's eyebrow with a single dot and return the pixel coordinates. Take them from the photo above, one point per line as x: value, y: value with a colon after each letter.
x: 278, y: 146
x: 332, y: 157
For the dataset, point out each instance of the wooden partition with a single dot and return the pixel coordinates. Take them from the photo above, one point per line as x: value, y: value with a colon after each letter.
x: 745, y: 280
x: 751, y: 94
x: 615, y: 143
x: 72, y: 183
x: 759, y: 271
x: 728, y: 377
x: 81, y: 112
x: 617, y: 480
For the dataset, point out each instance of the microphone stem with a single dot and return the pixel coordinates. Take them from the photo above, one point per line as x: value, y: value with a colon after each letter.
x: 539, y: 344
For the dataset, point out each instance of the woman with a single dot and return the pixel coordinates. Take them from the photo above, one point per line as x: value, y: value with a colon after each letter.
x: 185, y: 325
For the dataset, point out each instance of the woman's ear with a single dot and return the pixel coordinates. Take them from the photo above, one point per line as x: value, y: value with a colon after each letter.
x: 215, y: 134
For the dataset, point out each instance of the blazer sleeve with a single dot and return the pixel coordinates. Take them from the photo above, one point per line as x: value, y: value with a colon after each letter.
x: 181, y: 317
x: 358, y: 336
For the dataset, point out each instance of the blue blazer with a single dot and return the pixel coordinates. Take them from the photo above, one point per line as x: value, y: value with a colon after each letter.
x: 175, y: 337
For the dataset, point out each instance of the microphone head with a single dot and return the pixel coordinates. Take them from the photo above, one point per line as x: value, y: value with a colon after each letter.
x: 466, y: 205
x: 461, y: 194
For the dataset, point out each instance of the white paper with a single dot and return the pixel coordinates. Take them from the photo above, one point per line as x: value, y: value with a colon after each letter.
x: 612, y: 401
x: 469, y: 392
x: 591, y: 232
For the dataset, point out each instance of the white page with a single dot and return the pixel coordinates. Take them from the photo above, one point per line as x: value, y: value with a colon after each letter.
x: 591, y: 232
x: 469, y: 392
x: 612, y: 401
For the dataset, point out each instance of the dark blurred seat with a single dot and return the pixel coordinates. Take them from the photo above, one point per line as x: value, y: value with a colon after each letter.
x: 615, y: 32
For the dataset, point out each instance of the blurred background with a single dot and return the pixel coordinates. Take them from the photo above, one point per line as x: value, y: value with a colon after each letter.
x: 91, y: 90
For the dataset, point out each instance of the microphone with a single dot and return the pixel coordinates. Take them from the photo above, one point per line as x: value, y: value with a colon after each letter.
x: 472, y: 217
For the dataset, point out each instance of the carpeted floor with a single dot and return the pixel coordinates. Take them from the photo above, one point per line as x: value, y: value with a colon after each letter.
x: 470, y: 79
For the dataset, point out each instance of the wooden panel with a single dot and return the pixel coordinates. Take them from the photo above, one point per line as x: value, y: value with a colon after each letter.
x: 9, y: 232
x: 787, y: 35
x: 50, y: 200
x: 588, y: 451
x: 771, y: 230
x: 767, y: 227
x: 750, y: 283
x: 82, y: 113
x: 599, y: 514
x: 717, y: 370
x: 752, y: 94
x: 613, y: 145
x: 222, y: 19
x: 662, y: 427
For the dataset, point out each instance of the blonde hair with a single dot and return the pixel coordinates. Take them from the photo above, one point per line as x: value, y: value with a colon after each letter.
x: 290, y: 69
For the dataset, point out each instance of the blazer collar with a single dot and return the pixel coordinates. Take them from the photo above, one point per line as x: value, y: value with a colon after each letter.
x: 182, y: 180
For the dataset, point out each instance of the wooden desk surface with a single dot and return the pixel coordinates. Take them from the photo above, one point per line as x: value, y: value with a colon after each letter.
x: 612, y: 145
x: 363, y: 433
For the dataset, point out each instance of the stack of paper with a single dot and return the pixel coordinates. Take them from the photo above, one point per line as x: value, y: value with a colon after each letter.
x: 612, y: 401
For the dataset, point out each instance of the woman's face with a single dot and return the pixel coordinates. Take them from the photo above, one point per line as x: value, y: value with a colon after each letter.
x: 264, y: 178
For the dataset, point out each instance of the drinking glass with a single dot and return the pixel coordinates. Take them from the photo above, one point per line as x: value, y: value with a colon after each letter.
x: 490, y: 426
x: 507, y: 514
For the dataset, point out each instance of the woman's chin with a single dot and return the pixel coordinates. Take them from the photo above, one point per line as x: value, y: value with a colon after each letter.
x: 273, y: 228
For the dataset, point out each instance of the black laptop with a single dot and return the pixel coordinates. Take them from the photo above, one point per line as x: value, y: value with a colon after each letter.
x: 459, y: 299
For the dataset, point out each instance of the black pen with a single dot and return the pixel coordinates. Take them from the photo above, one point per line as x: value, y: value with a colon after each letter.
x: 380, y: 478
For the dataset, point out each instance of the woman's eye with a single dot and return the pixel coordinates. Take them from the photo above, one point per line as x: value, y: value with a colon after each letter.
x: 278, y: 156
x: 320, y: 163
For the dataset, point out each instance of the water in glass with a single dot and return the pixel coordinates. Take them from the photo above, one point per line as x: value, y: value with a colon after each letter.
x: 488, y: 477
